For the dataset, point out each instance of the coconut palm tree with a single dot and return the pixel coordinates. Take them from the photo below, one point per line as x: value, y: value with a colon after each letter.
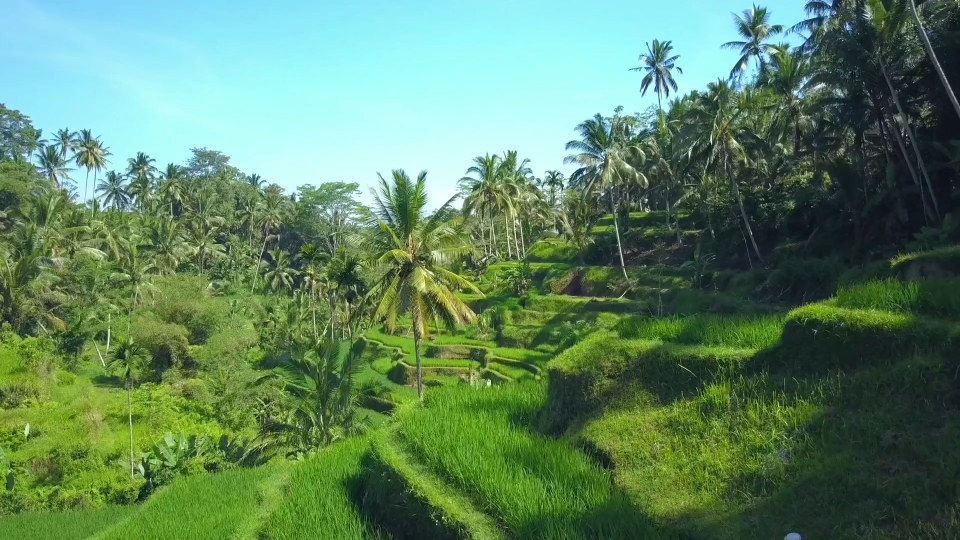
x: 483, y: 193
x: 166, y: 242
x: 172, y: 188
x: 578, y: 218
x: 410, y: 249
x: 203, y: 242
x: 91, y: 155
x: 554, y: 181
x: 113, y: 190
x: 605, y: 156
x: 659, y: 63
x: 126, y: 358
x: 753, y: 25
x: 281, y: 274
x: 53, y: 166
x: 66, y: 142
x: 789, y: 75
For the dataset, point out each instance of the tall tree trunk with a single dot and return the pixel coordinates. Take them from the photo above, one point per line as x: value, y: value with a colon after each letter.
x: 523, y: 246
x: 86, y: 186
x: 616, y: 230
x: 913, y: 139
x: 416, y: 347
x: 260, y: 258
x: 743, y: 214
x: 506, y: 233
x: 516, y: 242
x: 897, y: 136
x: 130, y: 419
x: 933, y: 57
x: 493, y: 236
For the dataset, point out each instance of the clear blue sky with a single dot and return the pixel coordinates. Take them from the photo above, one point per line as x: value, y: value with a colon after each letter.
x: 307, y: 92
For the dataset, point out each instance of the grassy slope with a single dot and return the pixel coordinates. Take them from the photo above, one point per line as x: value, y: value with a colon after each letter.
x: 75, y: 525
x: 537, y: 487
x: 843, y: 425
x: 317, y: 499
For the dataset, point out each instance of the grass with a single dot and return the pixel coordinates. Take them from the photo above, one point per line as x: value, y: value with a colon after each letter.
x: 73, y: 525
x: 318, y: 501
x: 712, y: 330
x: 933, y: 297
x: 537, y: 487
x: 199, y: 507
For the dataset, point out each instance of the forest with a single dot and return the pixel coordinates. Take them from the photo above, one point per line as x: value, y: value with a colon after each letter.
x: 736, y: 316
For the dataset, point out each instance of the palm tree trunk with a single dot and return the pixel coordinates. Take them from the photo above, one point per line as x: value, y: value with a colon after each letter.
x: 523, y: 246
x: 86, y: 186
x: 513, y: 225
x: 260, y: 258
x: 130, y: 419
x: 933, y: 57
x: 743, y: 214
x: 913, y: 139
x: 616, y: 230
x: 108, y: 332
x: 493, y: 236
x: 416, y: 347
x: 897, y: 136
x: 506, y: 233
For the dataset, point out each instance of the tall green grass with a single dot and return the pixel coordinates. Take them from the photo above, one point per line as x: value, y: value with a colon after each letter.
x: 74, y: 525
x: 932, y: 297
x: 201, y: 507
x: 537, y: 487
x: 318, y: 499
x: 713, y: 330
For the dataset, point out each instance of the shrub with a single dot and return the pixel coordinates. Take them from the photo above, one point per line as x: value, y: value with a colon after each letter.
x: 184, y: 300
x: 168, y: 343
x: 18, y: 394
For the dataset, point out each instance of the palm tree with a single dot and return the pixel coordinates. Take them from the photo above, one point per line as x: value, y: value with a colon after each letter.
x: 319, y: 396
x: 578, y: 220
x: 53, y: 166
x: 66, y: 142
x: 256, y: 181
x: 91, y: 155
x: 933, y: 56
x: 124, y: 361
x: 554, y: 181
x: 755, y: 29
x: 113, y: 190
x: 205, y: 245
x: 789, y: 75
x: 605, y: 157
x: 272, y: 214
x: 410, y: 248
x: 172, y: 188
x: 659, y: 63
x: 141, y: 171
x: 135, y: 272
x: 281, y: 275
x: 483, y: 193
x: 166, y: 242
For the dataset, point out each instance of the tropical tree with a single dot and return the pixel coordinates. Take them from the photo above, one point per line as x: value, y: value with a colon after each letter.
x: 579, y: 218
x: 605, y: 157
x: 91, y: 155
x: 484, y: 193
x: 126, y: 358
x: 281, y: 274
x: 319, y: 402
x: 113, y: 190
x: 53, y: 166
x: 933, y: 56
x: 410, y: 247
x: 66, y: 142
x: 141, y: 171
x: 659, y: 63
x: 172, y: 188
x: 755, y: 29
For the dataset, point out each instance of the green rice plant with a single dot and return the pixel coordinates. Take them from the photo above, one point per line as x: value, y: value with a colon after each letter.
x: 317, y: 501
x: 537, y: 487
x: 73, y: 525
x: 205, y: 506
x: 748, y: 332
x: 931, y: 297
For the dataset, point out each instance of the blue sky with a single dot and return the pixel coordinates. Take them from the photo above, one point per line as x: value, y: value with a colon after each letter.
x: 308, y: 92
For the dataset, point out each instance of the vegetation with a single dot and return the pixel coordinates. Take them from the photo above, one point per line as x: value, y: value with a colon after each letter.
x: 738, y: 317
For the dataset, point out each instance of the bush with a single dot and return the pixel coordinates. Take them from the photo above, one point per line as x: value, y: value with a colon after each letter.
x: 184, y: 300
x: 168, y: 343
x: 18, y: 394
x: 932, y: 297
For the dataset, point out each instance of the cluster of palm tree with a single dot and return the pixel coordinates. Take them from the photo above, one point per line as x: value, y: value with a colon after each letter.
x: 848, y: 131
x: 501, y: 194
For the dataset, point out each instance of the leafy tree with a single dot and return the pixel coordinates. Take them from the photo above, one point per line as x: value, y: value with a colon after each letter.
x: 53, y: 166
x: 755, y: 31
x: 113, y: 190
x: 659, y: 63
x: 18, y: 137
x: 91, y: 155
x: 410, y: 247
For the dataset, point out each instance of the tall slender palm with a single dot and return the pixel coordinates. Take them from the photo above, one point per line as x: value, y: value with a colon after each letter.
x: 789, y: 76
x: 53, y: 166
x: 554, y: 181
x: 272, y: 214
x: 113, y: 190
x: 753, y: 25
x: 91, y: 155
x: 124, y: 361
x: 659, y: 63
x: 281, y: 274
x: 167, y: 244
x: 204, y: 243
x: 66, y: 142
x: 141, y: 170
x: 606, y: 158
x: 410, y: 249
x: 172, y: 188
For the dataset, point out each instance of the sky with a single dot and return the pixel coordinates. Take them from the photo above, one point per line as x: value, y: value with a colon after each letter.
x: 305, y: 92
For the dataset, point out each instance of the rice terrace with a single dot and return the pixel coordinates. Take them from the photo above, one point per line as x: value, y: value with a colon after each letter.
x: 734, y: 314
